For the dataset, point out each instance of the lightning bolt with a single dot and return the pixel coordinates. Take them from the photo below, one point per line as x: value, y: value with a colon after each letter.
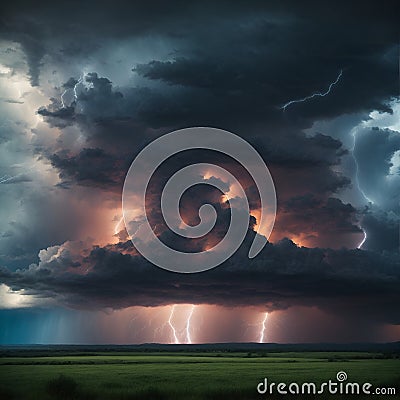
x: 364, y: 239
x: 318, y: 94
x: 188, y: 338
x: 354, y: 134
x: 116, y: 231
x: 263, y: 328
x: 80, y: 80
x: 74, y: 89
x: 171, y: 315
x: 62, y: 98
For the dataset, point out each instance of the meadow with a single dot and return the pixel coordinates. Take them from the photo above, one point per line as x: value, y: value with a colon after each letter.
x: 184, y: 375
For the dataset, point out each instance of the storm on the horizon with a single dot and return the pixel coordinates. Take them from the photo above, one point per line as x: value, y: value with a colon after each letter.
x: 314, y: 87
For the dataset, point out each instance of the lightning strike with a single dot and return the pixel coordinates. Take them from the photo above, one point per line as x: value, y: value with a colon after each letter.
x: 188, y: 338
x: 74, y: 89
x: 263, y: 328
x: 364, y: 239
x: 80, y: 80
x: 323, y: 94
x: 62, y: 98
x: 116, y: 229
x: 171, y: 315
x: 354, y: 134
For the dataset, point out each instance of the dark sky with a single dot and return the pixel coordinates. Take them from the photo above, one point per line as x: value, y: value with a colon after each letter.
x: 85, y: 87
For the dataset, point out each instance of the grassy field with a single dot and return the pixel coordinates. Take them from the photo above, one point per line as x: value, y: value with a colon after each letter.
x: 186, y: 376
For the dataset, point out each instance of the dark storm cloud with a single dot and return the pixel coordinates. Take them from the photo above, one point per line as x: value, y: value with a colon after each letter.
x: 374, y: 150
x: 340, y: 281
x: 320, y: 222
x: 30, y: 34
x: 70, y: 83
x: 57, y: 116
x: 240, y: 78
x: 294, y: 149
x: 236, y: 72
x: 231, y: 65
x: 383, y: 230
x: 99, y: 98
x: 91, y: 167
x: 375, y: 153
x: 265, y: 62
x: 118, y: 123
x: 96, y: 101
x: 253, y: 59
x: 300, y: 164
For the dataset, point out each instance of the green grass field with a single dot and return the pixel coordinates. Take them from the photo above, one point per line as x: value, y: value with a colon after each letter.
x: 188, y: 376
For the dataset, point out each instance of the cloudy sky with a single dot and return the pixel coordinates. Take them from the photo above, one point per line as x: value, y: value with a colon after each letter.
x: 314, y: 87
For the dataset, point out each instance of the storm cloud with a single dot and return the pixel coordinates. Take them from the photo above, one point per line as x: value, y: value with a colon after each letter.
x: 341, y: 282
x: 86, y: 88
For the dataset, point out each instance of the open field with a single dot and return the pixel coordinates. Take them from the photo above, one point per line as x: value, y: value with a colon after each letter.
x: 184, y: 375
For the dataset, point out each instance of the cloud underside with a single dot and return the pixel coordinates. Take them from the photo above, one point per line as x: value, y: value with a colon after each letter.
x: 348, y: 282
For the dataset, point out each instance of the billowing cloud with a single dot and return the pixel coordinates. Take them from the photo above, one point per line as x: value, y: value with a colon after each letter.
x: 284, y: 275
